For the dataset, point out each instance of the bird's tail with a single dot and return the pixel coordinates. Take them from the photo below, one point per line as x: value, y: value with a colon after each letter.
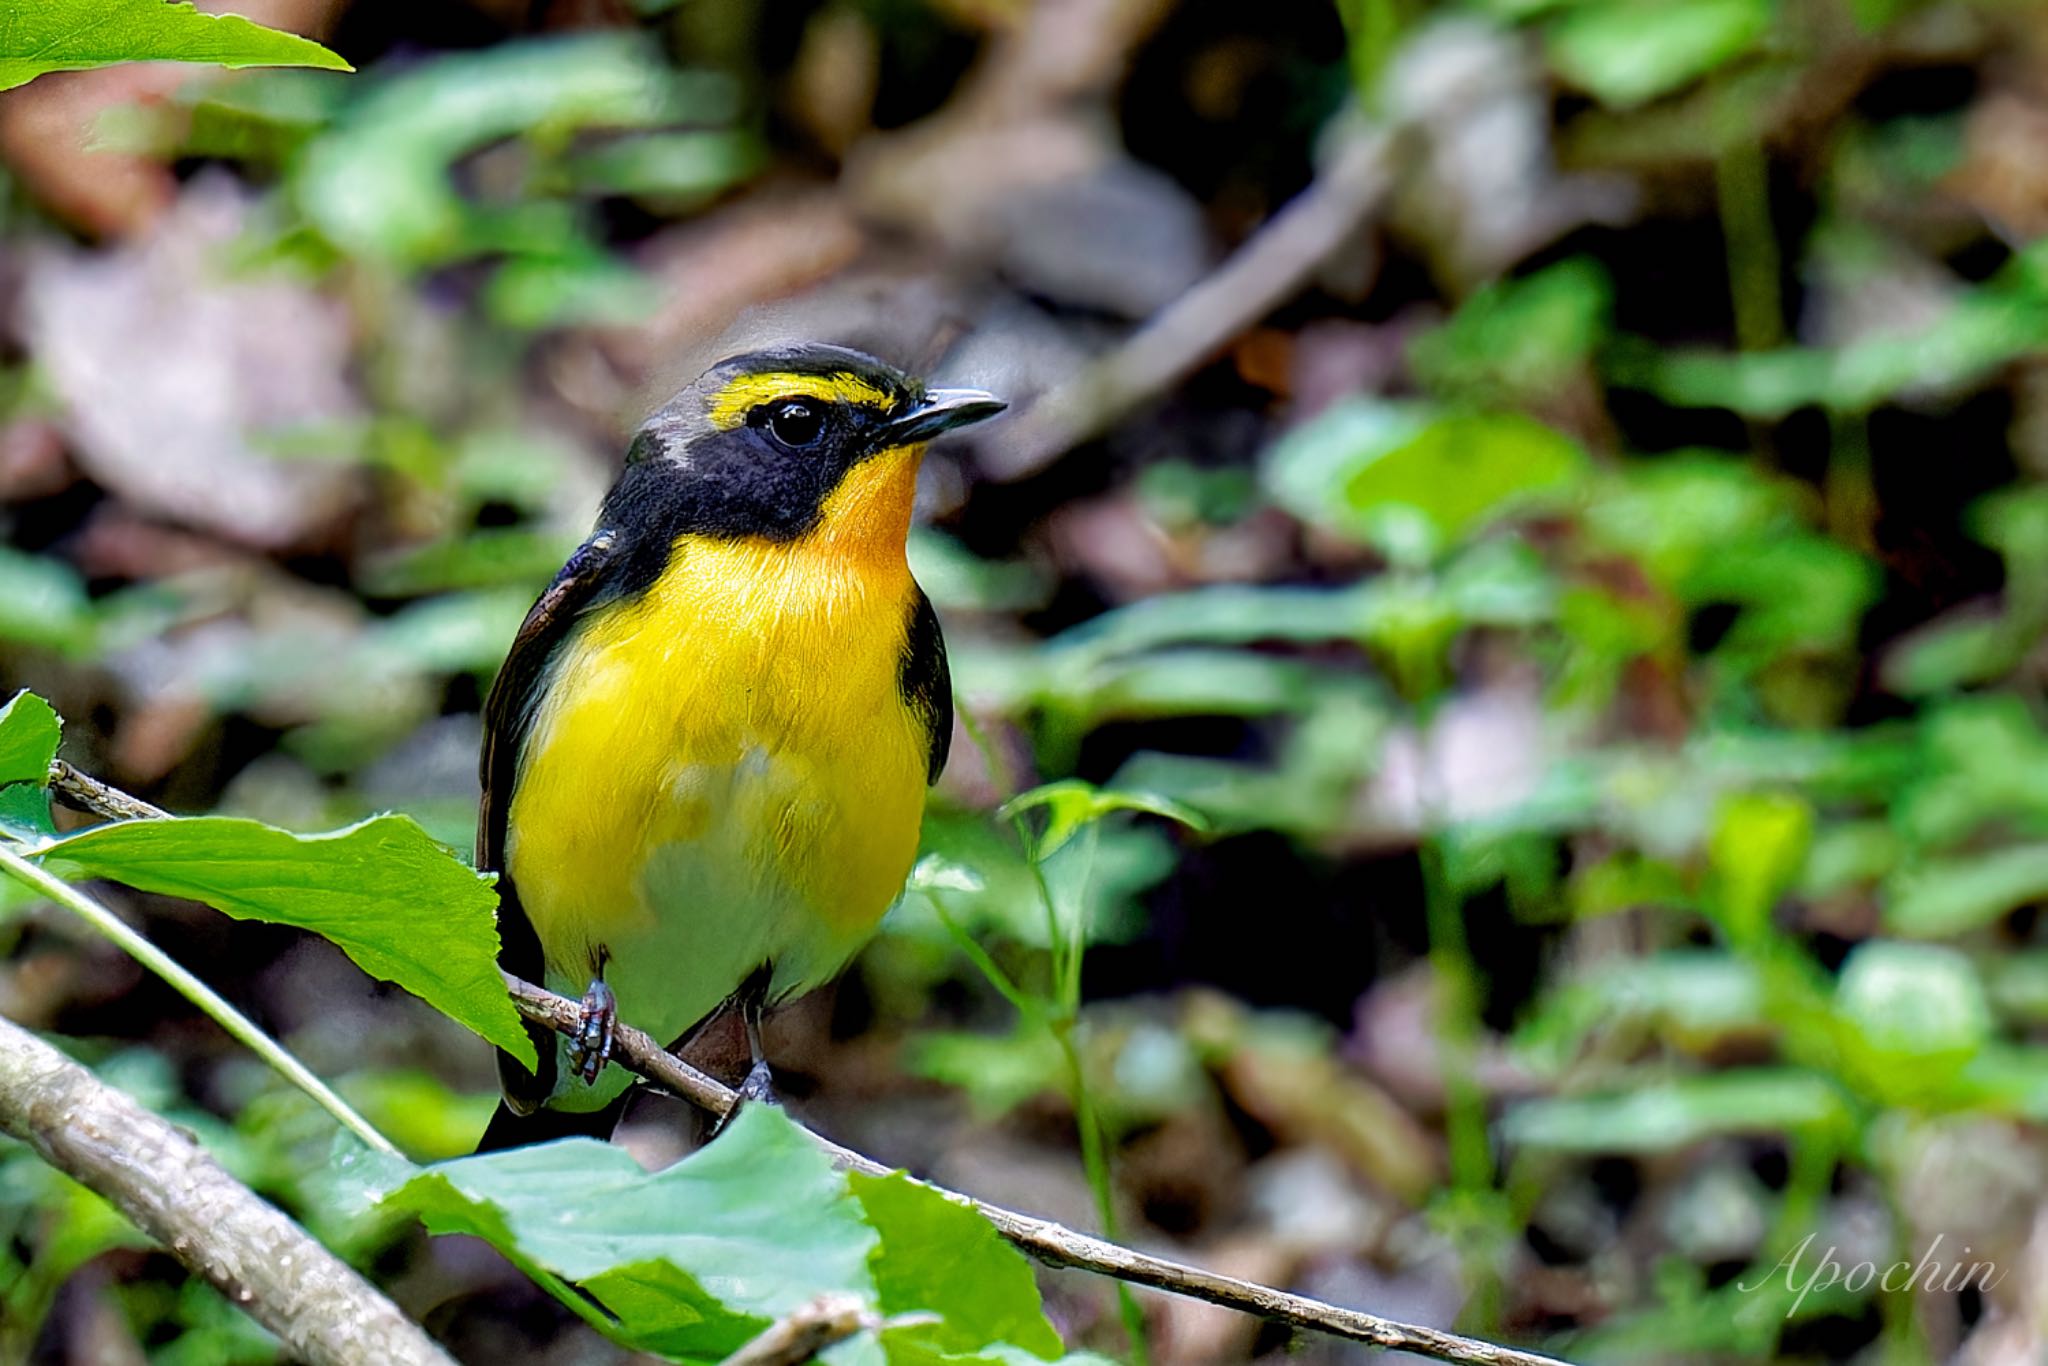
x: 509, y: 1129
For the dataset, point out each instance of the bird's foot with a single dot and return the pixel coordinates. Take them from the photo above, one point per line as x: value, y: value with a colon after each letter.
x: 591, y: 1047
x: 759, y: 1085
x: 758, y: 1088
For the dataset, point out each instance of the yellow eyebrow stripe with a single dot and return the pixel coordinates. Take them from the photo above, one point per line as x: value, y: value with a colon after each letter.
x: 729, y: 406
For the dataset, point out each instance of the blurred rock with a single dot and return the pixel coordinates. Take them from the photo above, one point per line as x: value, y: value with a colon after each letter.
x: 767, y: 246
x: 171, y: 371
x: 1124, y: 239
x: 1481, y: 754
x: 436, y: 761
x: 1307, y: 1201
x: 1488, y: 191
x: 1716, y: 1212
x: 1187, y: 1330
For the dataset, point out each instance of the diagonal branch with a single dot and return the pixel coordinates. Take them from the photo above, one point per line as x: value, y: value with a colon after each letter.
x: 167, y: 1185
x: 1054, y: 1244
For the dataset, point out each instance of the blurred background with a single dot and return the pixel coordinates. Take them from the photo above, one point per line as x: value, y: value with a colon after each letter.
x: 1557, y: 486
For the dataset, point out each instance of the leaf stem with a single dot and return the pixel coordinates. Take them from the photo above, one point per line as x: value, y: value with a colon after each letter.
x: 1069, y: 940
x: 1028, y: 1006
x: 244, y: 1030
x: 1095, y: 1162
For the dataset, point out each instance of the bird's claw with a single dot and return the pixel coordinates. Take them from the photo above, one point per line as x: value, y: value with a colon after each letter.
x: 759, y: 1085
x: 757, y: 1089
x: 591, y: 1046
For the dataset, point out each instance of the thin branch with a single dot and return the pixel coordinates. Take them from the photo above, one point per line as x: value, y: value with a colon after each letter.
x: 88, y: 793
x: 264, y: 1263
x: 1054, y: 1244
x: 1271, y: 267
x: 210, y: 1002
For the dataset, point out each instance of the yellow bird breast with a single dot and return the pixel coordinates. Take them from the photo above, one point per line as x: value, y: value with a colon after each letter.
x: 723, y: 773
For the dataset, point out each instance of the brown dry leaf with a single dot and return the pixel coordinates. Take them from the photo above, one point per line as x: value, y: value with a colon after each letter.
x: 765, y: 247
x: 32, y: 463
x: 47, y: 129
x: 832, y: 85
x: 171, y: 372
x: 1189, y: 1330
x: 1297, y: 1087
x: 2003, y: 174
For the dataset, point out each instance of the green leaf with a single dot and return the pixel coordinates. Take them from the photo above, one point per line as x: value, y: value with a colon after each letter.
x: 43, y: 603
x: 394, y: 900
x: 1757, y: 850
x: 71, y: 35
x: 1630, y: 51
x: 1518, y: 341
x: 692, y: 1260
x: 937, y: 1253
x: 1913, y: 1001
x: 1983, y: 330
x: 1939, y: 898
x: 998, y: 1072
x: 1914, y: 1015
x: 1070, y: 805
x: 29, y: 732
x: 1414, y: 481
x: 667, y: 166
x: 378, y: 184
x: 24, y: 815
x: 1660, y: 1116
x: 1696, y: 1000
x: 988, y: 886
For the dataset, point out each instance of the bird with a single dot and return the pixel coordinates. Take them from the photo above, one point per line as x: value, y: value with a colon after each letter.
x: 706, y: 756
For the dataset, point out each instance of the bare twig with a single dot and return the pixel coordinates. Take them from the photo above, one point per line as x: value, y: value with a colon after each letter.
x: 265, y: 1264
x: 1054, y: 1244
x: 806, y: 1332
x: 88, y: 793
x: 1264, y: 273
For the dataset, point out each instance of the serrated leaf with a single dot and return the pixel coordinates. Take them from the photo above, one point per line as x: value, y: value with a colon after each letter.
x: 938, y: 1254
x: 388, y: 895
x: 694, y: 1259
x: 29, y: 732
x: 71, y: 35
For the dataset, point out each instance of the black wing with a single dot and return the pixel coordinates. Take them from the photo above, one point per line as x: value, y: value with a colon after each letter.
x: 927, y: 683
x: 508, y: 714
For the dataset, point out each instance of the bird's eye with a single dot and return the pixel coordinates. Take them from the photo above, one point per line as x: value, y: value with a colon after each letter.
x: 795, y: 424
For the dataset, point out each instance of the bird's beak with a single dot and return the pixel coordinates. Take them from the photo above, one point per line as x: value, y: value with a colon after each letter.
x: 942, y: 410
